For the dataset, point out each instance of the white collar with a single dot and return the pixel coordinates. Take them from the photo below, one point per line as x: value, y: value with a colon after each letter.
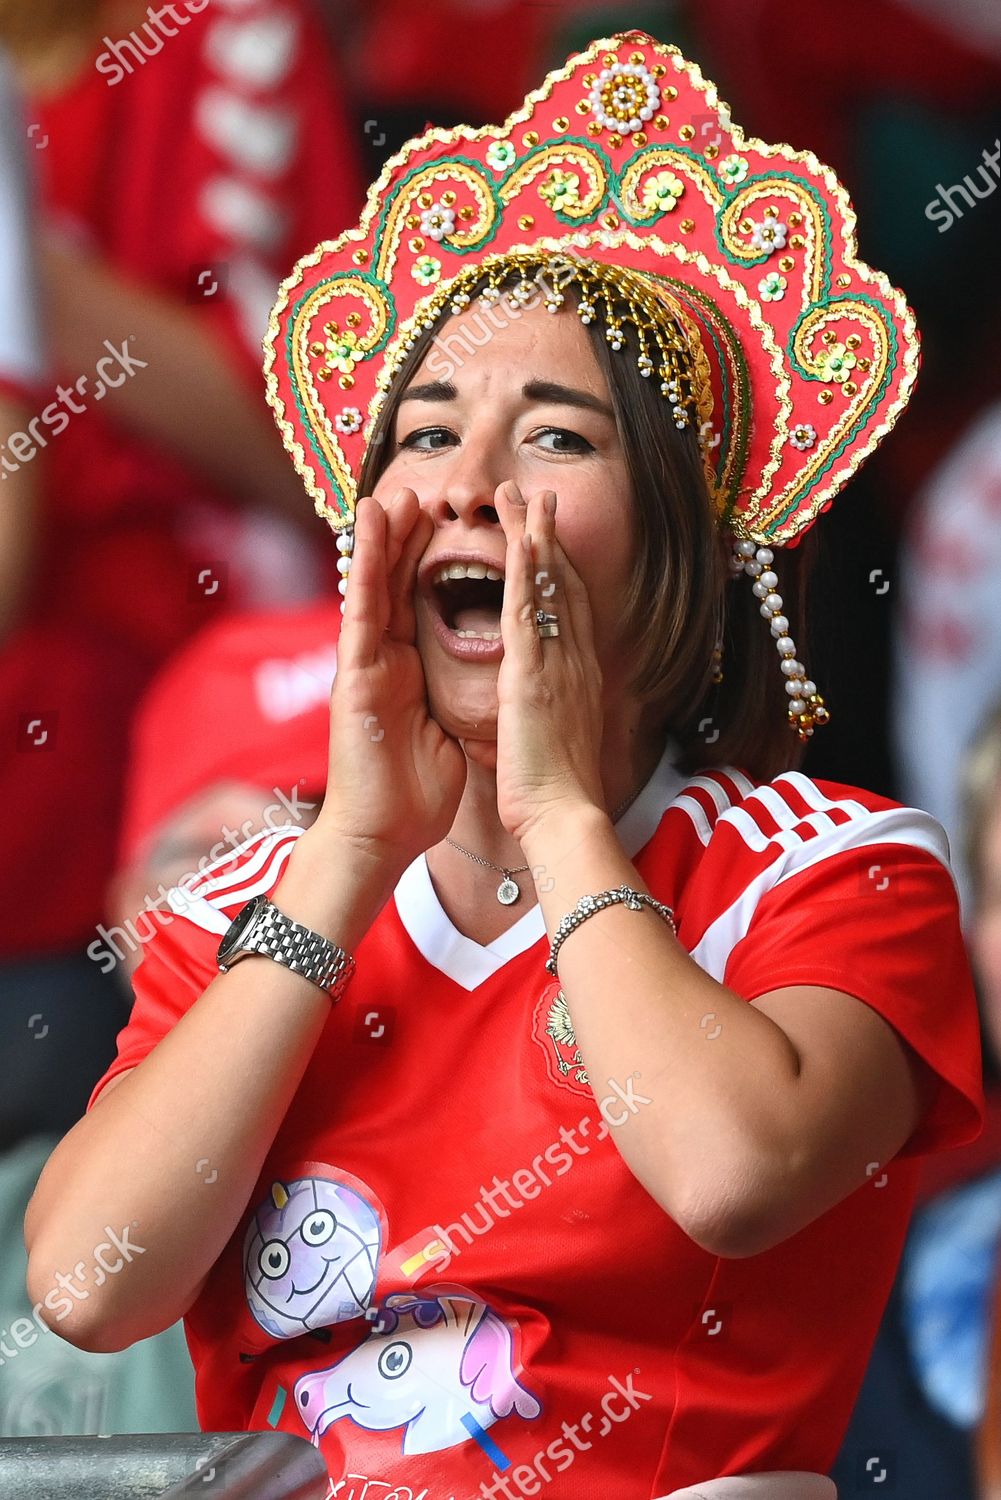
x: 468, y: 963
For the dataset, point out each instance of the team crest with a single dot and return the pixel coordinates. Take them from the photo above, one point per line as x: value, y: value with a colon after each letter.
x: 553, y: 1029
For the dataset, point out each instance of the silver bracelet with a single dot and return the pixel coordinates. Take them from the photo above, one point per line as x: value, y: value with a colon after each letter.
x: 588, y: 905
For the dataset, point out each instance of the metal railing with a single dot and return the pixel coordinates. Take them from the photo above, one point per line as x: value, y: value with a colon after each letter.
x: 152, y: 1466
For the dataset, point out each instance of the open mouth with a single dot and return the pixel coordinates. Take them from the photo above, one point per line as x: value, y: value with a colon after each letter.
x: 469, y: 596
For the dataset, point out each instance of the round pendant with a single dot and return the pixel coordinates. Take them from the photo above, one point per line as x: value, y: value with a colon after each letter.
x: 508, y: 892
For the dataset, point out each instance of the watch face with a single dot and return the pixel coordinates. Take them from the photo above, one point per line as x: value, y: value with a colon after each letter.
x: 238, y: 928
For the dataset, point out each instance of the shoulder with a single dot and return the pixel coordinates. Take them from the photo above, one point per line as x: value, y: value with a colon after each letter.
x: 211, y: 899
x: 740, y: 841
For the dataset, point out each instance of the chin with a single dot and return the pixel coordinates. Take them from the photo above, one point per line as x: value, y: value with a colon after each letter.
x: 462, y: 698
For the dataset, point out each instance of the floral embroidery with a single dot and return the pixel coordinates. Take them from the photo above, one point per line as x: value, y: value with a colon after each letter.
x: 561, y: 190
x: 732, y: 169
x: 348, y: 420
x: 624, y: 97
x: 803, y: 436
x: 500, y: 155
x: 662, y: 191
x: 836, y: 363
x: 437, y: 221
x: 770, y: 234
x: 772, y: 288
x: 341, y: 352
x: 426, y: 270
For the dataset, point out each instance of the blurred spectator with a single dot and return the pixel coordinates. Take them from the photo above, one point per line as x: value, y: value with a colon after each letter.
x: 932, y: 1377
x: 182, y: 170
x: 949, y: 642
x: 258, y: 687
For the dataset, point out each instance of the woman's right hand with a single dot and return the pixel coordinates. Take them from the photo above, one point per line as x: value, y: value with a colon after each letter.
x: 395, y: 777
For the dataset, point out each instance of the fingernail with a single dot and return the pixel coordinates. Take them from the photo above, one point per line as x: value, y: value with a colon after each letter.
x: 549, y: 503
x: 514, y: 493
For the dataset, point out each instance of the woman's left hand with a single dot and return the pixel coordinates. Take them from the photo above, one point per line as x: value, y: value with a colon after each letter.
x: 549, y: 715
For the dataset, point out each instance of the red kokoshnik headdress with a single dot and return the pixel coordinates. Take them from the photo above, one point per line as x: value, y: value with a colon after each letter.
x: 625, y: 169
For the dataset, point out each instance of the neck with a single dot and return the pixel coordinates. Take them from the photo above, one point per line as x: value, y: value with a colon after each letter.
x: 629, y: 755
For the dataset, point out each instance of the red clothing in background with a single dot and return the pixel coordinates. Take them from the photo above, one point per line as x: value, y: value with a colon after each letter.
x: 206, y: 169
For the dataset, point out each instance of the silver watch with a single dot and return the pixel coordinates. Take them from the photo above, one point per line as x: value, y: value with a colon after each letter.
x: 261, y: 928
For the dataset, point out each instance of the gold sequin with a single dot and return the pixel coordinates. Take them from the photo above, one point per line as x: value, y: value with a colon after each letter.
x: 324, y: 374
x: 850, y: 388
x: 611, y: 221
x: 412, y: 221
x: 526, y: 221
x: 686, y: 133
x: 852, y: 341
x: 360, y: 257
x: 615, y: 139
x: 425, y: 200
x: 448, y: 198
x: 844, y: 281
x: 746, y: 226
x: 864, y: 365
x: 661, y: 121
x: 825, y: 398
x: 795, y: 220
x: 530, y: 138
x: 593, y: 128
x: 711, y: 152
x: 316, y: 349
x: 416, y: 244
x: 771, y: 212
x: 797, y: 242
x: 687, y: 225
x: 331, y: 328
x: 353, y: 319
x: 830, y: 337
x: 609, y: 60
x: 561, y: 123
x: 639, y: 138
x: 346, y: 382
x: 636, y: 58
x: 787, y: 263
x: 590, y: 79
x: 467, y: 212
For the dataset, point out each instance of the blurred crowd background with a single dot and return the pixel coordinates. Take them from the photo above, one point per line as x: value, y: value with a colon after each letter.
x: 168, y: 601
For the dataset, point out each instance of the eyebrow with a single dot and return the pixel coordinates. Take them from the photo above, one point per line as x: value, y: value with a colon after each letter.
x: 532, y: 390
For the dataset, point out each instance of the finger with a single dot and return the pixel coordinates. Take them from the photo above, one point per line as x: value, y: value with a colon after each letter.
x: 549, y: 589
x: 403, y: 579
x: 398, y: 506
x: 518, y: 628
x: 366, y: 603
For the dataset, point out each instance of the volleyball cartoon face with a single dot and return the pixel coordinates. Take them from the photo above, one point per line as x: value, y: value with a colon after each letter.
x: 310, y: 1256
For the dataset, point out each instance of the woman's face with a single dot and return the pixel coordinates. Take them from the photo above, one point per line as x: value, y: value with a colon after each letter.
x: 513, y: 395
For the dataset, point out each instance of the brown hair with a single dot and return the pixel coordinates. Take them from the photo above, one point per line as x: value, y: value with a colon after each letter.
x: 680, y: 596
x: 981, y: 788
x: 29, y: 25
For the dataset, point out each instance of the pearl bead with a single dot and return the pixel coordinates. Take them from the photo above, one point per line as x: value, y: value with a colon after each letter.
x: 771, y: 580
x: 785, y: 646
x: 774, y: 602
x: 344, y: 565
x: 794, y: 688
x: 766, y: 613
x: 758, y: 590
x: 752, y: 569
x: 797, y: 707
x: 809, y: 688
x: 345, y: 541
x: 746, y: 549
x: 765, y: 555
x: 342, y: 586
x: 780, y: 625
x: 342, y: 606
x: 791, y: 668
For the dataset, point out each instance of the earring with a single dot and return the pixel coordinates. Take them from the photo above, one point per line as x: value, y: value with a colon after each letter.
x: 345, y: 546
x: 806, y: 706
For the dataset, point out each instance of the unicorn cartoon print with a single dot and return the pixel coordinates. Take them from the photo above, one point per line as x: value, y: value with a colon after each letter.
x: 439, y: 1366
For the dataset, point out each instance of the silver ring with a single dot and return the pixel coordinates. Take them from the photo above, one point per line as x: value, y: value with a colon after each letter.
x: 548, y: 625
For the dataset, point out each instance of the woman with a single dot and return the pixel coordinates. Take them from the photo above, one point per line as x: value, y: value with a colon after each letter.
x: 571, y: 1200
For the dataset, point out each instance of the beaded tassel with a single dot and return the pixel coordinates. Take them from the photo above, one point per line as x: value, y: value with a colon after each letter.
x: 345, y: 546
x: 806, y: 706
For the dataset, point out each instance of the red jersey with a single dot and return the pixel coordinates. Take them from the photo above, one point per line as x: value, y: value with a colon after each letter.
x: 448, y: 1278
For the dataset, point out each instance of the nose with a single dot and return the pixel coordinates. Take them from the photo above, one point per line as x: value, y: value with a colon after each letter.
x: 466, y: 484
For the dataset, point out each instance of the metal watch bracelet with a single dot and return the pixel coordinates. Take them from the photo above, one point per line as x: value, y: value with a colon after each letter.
x: 261, y: 928
x: 588, y: 905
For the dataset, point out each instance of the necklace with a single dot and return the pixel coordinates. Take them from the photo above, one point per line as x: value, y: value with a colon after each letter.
x: 509, y: 890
